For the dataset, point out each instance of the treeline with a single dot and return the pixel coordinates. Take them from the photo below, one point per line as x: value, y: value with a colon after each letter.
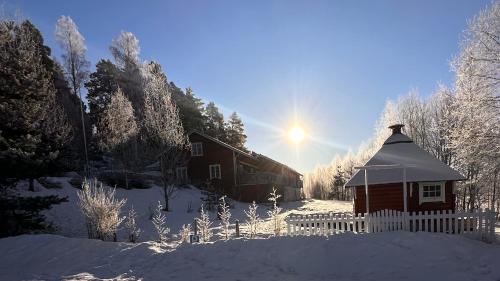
x: 135, y: 115
x: 460, y: 124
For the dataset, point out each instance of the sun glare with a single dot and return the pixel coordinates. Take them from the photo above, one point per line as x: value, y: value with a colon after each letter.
x: 296, y: 135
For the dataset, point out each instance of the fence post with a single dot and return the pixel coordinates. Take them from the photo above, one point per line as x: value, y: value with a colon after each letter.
x: 237, y: 222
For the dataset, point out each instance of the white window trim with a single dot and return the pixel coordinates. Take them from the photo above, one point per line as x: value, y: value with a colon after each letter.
x: 193, y: 144
x: 210, y: 171
x: 421, y: 198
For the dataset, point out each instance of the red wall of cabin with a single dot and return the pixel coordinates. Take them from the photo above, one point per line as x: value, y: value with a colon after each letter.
x: 213, y: 153
x: 390, y: 196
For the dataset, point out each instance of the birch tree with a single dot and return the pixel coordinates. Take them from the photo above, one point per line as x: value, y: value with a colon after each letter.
x: 75, y: 64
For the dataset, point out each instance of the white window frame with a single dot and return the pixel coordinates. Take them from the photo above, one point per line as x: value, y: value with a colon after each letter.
x: 423, y: 199
x: 214, y: 176
x: 196, y: 149
x: 181, y: 173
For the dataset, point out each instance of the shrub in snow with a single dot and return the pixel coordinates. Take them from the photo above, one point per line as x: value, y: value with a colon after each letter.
x: 274, y: 213
x: 130, y: 224
x: 204, y: 225
x: 101, y: 210
x: 185, y: 232
x: 225, y: 216
x: 252, y: 222
x: 159, y: 222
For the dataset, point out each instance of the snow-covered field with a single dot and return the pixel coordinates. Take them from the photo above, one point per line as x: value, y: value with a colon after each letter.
x: 69, y: 220
x: 381, y: 256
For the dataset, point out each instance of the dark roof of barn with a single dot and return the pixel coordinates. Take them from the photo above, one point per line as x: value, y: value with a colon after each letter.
x: 253, y: 155
x: 400, y: 150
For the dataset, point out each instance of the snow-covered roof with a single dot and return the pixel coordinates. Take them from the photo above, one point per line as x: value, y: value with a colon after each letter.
x: 399, y: 149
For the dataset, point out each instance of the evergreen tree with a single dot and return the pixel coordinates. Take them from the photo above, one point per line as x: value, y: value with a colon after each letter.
x: 101, y: 87
x: 190, y: 108
x: 214, y: 125
x: 235, y: 132
x: 33, y: 128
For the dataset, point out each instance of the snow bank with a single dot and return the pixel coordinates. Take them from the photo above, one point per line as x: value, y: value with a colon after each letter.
x: 382, y: 256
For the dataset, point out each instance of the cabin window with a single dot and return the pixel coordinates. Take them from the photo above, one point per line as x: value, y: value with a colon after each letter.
x: 214, y: 171
x: 181, y: 174
x: 431, y: 192
x: 196, y: 149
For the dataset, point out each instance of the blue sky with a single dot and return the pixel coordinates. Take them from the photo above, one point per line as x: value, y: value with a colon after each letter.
x: 329, y: 66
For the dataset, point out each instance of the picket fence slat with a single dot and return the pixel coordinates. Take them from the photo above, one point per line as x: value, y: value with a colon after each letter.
x: 479, y: 223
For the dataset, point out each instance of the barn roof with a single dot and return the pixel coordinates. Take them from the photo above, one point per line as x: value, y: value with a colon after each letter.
x: 252, y: 155
x: 400, y: 150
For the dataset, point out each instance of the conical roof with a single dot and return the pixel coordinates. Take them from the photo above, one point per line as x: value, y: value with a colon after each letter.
x: 399, y: 149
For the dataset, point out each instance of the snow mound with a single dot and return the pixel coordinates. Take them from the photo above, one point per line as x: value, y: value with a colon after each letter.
x: 382, y: 256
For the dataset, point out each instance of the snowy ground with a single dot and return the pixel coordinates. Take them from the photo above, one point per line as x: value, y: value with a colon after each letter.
x: 69, y: 221
x: 381, y: 256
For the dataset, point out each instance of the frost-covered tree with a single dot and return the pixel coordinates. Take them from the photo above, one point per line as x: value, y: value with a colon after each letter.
x: 162, y: 128
x: 224, y: 214
x: 75, y: 64
x: 252, y: 221
x: 184, y: 233
x: 204, y: 225
x: 133, y: 231
x: 101, y: 209
x: 117, y: 127
x: 476, y: 108
x: 274, y: 213
x: 159, y: 222
x: 125, y: 49
x: 235, y: 132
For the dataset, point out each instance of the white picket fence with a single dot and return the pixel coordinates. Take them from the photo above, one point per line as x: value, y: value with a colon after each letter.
x: 480, y: 223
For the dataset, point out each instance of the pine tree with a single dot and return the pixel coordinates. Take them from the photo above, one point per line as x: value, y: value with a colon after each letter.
x: 159, y: 222
x: 235, y: 132
x: 214, y: 125
x: 101, y: 87
x: 34, y: 127
x: 32, y: 135
x: 274, y: 213
x: 224, y: 214
x: 252, y: 222
x: 190, y: 108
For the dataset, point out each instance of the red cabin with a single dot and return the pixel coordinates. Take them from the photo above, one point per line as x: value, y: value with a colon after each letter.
x: 241, y: 175
x: 402, y: 176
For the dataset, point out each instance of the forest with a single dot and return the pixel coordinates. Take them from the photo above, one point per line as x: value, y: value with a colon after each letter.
x: 59, y: 116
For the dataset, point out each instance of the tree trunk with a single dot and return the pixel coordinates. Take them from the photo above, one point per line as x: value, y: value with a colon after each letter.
x: 493, y: 197
x: 31, y: 185
x: 165, y: 193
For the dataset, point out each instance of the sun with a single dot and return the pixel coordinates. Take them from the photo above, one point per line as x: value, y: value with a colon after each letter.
x: 296, y: 135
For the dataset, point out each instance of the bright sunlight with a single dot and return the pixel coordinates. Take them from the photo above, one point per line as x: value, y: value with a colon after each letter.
x: 296, y: 135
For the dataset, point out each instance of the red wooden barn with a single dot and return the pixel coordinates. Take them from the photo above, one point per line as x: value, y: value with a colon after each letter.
x: 244, y: 176
x: 402, y: 176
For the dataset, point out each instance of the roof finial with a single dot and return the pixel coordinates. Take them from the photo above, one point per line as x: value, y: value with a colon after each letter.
x: 396, y: 128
